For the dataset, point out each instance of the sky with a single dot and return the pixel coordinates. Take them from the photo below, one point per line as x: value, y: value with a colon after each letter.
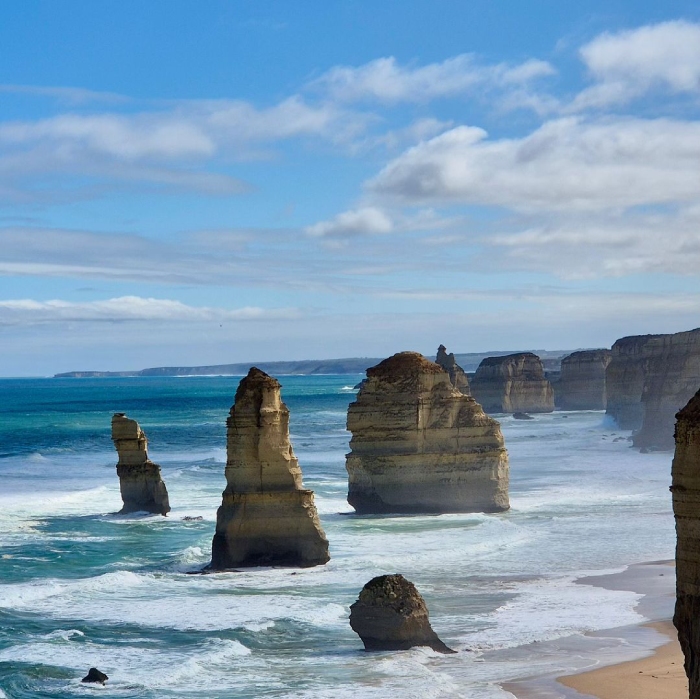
x: 195, y: 183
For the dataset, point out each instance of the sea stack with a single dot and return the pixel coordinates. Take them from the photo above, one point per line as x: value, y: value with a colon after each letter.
x: 672, y: 378
x: 266, y: 517
x: 686, y: 507
x: 514, y: 383
x: 390, y: 614
x: 140, y: 482
x: 420, y: 445
x: 581, y: 385
x: 457, y: 375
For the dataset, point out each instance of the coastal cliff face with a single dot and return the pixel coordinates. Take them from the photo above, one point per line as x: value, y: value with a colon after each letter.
x: 514, y: 383
x: 419, y: 445
x: 672, y: 378
x: 140, y: 482
x: 266, y: 516
x: 581, y: 385
x: 686, y: 507
x: 457, y: 375
x: 390, y: 614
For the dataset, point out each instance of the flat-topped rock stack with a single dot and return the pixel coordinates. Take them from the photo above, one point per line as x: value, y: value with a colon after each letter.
x: 420, y: 445
x: 140, y: 481
x: 581, y: 385
x: 514, y: 383
x: 457, y: 375
x: 686, y: 507
x: 266, y: 516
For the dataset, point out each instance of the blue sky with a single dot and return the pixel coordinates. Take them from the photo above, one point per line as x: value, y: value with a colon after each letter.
x: 201, y: 183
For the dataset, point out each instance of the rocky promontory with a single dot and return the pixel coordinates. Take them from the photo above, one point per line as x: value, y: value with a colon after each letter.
x: 581, y: 385
x: 513, y: 383
x: 390, y: 614
x: 457, y: 375
x: 420, y: 445
x: 140, y: 482
x: 266, y: 516
x: 686, y: 507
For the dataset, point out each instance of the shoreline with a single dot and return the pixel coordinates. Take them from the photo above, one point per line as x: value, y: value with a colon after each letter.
x: 645, y: 661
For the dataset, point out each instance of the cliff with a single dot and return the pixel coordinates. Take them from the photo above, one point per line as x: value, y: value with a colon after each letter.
x: 140, y: 482
x: 266, y: 516
x: 581, y: 384
x: 511, y: 384
x: 685, y: 474
x: 672, y: 378
x: 456, y: 373
x: 419, y: 445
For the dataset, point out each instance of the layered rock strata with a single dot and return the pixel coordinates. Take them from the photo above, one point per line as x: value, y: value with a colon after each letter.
x: 457, y: 375
x: 672, y: 378
x: 266, y: 516
x: 142, y: 487
x: 685, y: 474
x: 390, y: 614
x: 581, y: 385
x: 420, y: 445
x: 513, y: 383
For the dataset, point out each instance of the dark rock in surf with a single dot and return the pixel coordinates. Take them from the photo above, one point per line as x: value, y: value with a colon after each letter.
x: 96, y: 676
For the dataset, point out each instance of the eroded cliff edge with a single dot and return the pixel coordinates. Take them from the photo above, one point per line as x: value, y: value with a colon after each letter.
x: 266, y: 516
x: 685, y: 474
x: 514, y: 383
x: 581, y: 385
x: 420, y: 445
x: 140, y: 482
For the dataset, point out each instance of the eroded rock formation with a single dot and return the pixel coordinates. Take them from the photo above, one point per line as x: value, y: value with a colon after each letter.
x: 672, y: 378
x: 686, y: 507
x: 513, y: 383
x: 266, y: 516
x: 140, y: 482
x: 419, y: 445
x: 581, y: 385
x: 390, y: 614
x: 457, y: 375
x: 96, y: 676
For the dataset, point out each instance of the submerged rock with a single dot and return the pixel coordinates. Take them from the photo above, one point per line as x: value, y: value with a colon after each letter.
x: 390, y: 614
x: 140, y: 482
x: 513, y: 383
x: 420, y: 445
x: 266, y: 516
x: 686, y: 507
x: 581, y: 385
x: 522, y: 416
x: 96, y: 676
x: 457, y: 375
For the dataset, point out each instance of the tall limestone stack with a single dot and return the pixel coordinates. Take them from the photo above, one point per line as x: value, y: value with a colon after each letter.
x: 266, y: 517
x: 140, y: 482
x: 420, y: 445
x: 686, y: 507
x: 581, y: 385
x: 514, y: 383
x: 457, y: 375
x: 624, y: 379
x: 672, y: 378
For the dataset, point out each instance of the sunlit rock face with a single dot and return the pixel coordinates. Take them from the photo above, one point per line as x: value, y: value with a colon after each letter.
x: 686, y: 507
x: 140, y: 482
x: 420, y: 445
x: 514, y: 383
x: 582, y: 382
x: 266, y: 516
x: 457, y: 375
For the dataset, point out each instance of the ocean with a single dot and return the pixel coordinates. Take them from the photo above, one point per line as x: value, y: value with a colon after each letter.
x: 81, y: 586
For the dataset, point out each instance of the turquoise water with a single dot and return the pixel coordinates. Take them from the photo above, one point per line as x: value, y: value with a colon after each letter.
x: 81, y: 587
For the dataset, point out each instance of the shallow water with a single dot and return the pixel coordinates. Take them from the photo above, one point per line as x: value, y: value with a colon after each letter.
x: 81, y: 587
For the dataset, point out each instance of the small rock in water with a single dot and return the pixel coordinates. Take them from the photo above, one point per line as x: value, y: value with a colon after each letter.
x: 189, y: 518
x: 390, y: 614
x: 95, y: 675
x: 522, y: 416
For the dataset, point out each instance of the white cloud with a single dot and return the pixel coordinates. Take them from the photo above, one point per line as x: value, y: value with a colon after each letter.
x: 629, y: 63
x: 70, y: 95
x: 385, y: 80
x: 565, y: 164
x: 368, y: 220
x: 128, y: 309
